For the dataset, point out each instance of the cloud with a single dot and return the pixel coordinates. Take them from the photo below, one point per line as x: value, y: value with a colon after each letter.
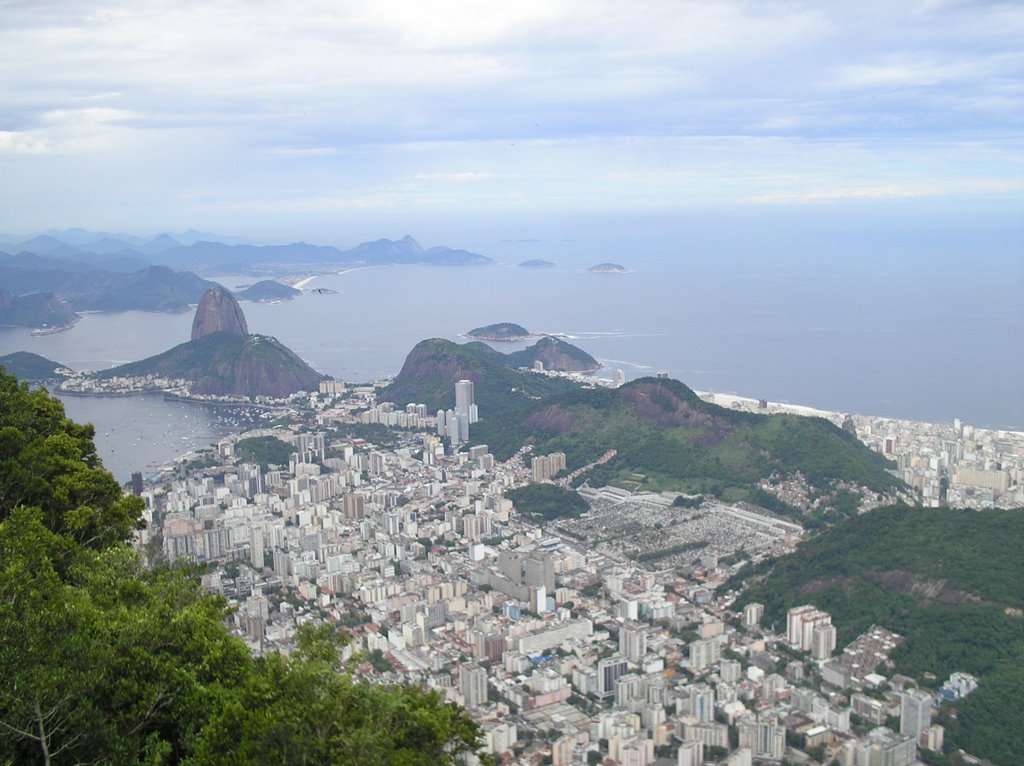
x: 986, y: 187
x: 456, y: 178
x: 564, y: 103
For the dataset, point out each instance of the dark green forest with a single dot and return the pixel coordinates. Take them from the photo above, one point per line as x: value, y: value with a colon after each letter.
x: 667, y: 438
x: 547, y: 502
x: 950, y: 581
x: 265, y: 450
x: 103, y: 660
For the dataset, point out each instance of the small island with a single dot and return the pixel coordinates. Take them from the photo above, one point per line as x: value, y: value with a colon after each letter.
x: 537, y: 263
x: 502, y: 331
x: 607, y: 268
x: 268, y: 290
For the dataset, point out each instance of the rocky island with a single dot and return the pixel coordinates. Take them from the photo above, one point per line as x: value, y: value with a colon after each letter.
x: 268, y: 290
x: 537, y: 263
x: 607, y: 268
x: 502, y: 331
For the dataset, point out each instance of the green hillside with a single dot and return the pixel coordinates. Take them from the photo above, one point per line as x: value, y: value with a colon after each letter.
x: 948, y: 581
x: 555, y: 354
x: 432, y: 368
x: 666, y: 437
x: 500, y: 331
x: 268, y: 290
x: 227, y: 363
x: 29, y: 366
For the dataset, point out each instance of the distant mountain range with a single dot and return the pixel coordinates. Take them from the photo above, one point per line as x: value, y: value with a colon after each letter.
x: 101, y: 271
x: 196, y: 250
x: 43, y: 310
x: 87, y: 288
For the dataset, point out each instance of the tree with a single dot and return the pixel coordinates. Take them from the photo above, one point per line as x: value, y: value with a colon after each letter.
x: 49, y: 462
x: 105, y: 661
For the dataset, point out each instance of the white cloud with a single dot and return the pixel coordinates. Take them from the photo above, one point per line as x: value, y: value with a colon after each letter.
x: 558, y: 103
x: 972, y: 187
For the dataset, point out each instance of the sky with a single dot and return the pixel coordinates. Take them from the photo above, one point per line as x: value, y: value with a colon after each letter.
x: 341, y: 121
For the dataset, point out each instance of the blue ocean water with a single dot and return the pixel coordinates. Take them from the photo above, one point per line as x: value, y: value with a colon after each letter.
x: 894, y: 327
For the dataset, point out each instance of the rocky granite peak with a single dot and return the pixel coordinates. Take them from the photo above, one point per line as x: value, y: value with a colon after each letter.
x: 218, y: 311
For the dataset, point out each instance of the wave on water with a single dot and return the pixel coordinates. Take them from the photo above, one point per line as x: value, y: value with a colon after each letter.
x: 622, y: 362
x: 585, y: 334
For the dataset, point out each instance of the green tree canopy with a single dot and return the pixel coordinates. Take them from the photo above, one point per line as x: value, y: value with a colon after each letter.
x: 105, y: 661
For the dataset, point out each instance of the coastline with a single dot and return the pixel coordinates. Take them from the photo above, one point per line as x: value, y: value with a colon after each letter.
x: 304, y: 281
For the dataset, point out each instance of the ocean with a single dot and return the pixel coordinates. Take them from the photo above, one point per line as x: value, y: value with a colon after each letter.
x: 909, y: 335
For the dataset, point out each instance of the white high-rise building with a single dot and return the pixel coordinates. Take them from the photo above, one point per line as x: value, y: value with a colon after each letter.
x: 633, y: 641
x: 801, y: 622
x: 464, y: 404
x: 473, y: 685
x: 823, y: 641
x: 915, y: 712
x: 704, y: 653
x: 691, y: 753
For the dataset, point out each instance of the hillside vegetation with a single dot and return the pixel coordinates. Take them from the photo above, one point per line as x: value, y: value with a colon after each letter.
x: 28, y: 366
x: 500, y: 331
x: 268, y: 290
x: 153, y: 288
x: 947, y: 580
x: 547, y: 502
x: 666, y: 437
x: 432, y: 368
x: 227, y: 363
x: 105, y: 661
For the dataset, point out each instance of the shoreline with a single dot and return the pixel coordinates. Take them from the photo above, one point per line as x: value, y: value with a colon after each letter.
x: 302, y: 283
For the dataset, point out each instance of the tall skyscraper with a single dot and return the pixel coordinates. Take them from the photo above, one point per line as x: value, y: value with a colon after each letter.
x: 464, y: 403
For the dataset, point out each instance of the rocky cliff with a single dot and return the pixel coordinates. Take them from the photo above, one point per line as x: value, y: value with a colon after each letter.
x: 218, y: 311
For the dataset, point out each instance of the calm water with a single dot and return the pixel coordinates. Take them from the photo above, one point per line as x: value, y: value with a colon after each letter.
x: 140, y: 433
x: 914, y: 336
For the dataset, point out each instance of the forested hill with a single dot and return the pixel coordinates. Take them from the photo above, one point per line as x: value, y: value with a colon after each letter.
x: 432, y: 368
x: 950, y: 581
x: 105, y: 661
x: 229, y: 364
x: 666, y: 437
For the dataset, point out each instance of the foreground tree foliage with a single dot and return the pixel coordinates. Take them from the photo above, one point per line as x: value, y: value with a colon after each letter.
x: 104, y: 661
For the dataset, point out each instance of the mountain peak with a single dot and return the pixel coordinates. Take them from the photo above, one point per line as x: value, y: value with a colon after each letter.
x: 218, y: 311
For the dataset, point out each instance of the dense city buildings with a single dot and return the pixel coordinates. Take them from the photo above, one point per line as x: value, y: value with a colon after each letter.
x: 559, y: 639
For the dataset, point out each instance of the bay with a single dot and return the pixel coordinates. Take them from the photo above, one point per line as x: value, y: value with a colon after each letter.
x: 908, y: 334
x: 143, y: 432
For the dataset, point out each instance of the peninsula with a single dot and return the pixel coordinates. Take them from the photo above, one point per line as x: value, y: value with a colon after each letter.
x: 224, y: 359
